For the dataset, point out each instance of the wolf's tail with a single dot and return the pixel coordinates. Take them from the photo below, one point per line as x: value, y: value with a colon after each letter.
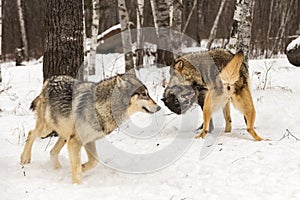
x: 37, y: 99
x: 34, y: 103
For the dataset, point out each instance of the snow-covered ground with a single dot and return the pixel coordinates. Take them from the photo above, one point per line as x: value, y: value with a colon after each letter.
x: 237, y: 168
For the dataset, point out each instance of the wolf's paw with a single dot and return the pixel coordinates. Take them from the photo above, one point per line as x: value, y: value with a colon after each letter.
x: 25, y: 159
x: 201, y: 135
x: 57, y: 165
x: 227, y: 129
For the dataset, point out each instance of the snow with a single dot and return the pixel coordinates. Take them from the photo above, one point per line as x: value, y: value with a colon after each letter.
x: 293, y: 44
x: 115, y: 27
x: 236, y: 168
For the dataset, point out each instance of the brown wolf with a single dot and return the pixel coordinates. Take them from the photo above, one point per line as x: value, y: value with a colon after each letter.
x: 81, y: 112
x: 213, y: 79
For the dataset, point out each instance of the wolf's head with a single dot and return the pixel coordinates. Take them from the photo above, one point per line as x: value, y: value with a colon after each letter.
x: 135, y: 96
x: 180, y: 92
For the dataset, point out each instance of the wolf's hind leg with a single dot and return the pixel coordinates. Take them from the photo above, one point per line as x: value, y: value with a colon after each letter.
x: 26, y: 155
x: 55, y: 151
x: 91, y: 152
x: 244, y: 103
x: 226, y: 112
x: 40, y: 130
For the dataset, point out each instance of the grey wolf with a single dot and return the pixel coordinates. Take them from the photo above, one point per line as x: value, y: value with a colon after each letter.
x: 81, y: 112
x: 212, y: 79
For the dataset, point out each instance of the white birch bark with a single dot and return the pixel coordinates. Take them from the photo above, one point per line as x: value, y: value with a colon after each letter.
x: 214, y: 28
x: 176, y: 23
x: 154, y: 14
x: 199, y: 20
x: 241, y: 29
x: 126, y: 36
x: 22, y: 27
x: 95, y: 23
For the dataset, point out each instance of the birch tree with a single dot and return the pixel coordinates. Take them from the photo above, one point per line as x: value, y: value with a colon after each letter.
x: 199, y: 20
x: 22, y: 28
x: 189, y: 17
x: 92, y: 67
x: 126, y: 36
x: 214, y: 28
x: 176, y: 23
x: 241, y: 28
x: 140, y: 34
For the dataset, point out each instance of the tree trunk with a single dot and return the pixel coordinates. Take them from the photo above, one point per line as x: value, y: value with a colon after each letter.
x: 64, y: 38
x: 176, y: 24
x: 23, y: 30
x: 199, y: 20
x: 240, y: 36
x: 214, y: 28
x: 140, y: 34
x: 161, y: 18
x: 189, y: 17
x: 0, y: 39
x: 126, y: 36
x: 286, y: 15
x: 92, y: 68
x: 85, y: 66
x: 154, y: 13
x: 269, y: 28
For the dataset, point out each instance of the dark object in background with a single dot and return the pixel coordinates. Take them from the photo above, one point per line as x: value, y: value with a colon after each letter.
x: 19, y: 54
x: 293, y: 52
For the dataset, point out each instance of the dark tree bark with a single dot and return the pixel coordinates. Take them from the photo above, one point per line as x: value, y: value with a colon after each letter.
x: 64, y: 38
x: 161, y: 17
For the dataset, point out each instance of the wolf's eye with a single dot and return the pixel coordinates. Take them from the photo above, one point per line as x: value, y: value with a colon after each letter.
x: 144, y: 94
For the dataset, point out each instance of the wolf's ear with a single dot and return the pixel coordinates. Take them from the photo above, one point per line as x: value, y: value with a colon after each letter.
x: 235, y: 64
x: 178, y: 65
x: 238, y: 59
x: 231, y: 72
x: 121, y: 83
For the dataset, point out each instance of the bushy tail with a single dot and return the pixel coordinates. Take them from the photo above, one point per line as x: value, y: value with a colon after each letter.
x: 37, y: 99
x: 34, y: 103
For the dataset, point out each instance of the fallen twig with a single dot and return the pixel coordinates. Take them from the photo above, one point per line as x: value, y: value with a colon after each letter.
x: 287, y: 134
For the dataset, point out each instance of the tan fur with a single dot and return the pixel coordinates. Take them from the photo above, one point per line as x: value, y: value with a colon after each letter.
x: 222, y: 78
x: 230, y: 75
x: 66, y: 129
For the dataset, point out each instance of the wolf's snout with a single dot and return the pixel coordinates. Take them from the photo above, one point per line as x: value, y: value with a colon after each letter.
x: 158, y: 108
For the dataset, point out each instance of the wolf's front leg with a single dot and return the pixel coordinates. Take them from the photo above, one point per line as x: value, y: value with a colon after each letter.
x: 74, y: 147
x: 207, y: 113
